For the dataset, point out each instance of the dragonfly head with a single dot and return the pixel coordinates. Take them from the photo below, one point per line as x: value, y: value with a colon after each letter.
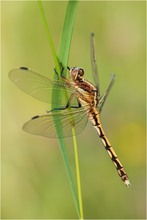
x: 77, y: 74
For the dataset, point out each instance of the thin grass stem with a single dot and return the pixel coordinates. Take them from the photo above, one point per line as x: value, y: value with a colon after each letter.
x: 78, y: 175
x: 49, y: 36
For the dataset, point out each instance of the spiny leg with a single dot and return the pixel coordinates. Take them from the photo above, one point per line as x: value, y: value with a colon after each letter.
x: 68, y: 105
x: 61, y: 73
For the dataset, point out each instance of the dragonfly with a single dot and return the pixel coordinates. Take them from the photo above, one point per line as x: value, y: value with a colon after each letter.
x: 83, y: 102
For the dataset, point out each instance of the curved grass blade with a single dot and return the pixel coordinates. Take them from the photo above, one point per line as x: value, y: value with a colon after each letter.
x: 49, y: 36
x: 63, y: 58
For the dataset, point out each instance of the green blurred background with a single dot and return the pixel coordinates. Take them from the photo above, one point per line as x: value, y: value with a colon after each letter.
x: 34, y: 181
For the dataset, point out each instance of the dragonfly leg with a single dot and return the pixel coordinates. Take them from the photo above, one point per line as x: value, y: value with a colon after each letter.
x: 62, y: 68
x: 69, y: 102
x: 68, y: 105
x: 76, y: 106
x: 63, y: 108
x: 62, y: 71
x: 104, y: 96
x: 61, y: 74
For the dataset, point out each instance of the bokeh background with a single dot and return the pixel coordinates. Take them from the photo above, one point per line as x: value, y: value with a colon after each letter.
x: 34, y: 181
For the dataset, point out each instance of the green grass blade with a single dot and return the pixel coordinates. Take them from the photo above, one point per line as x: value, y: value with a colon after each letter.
x: 63, y: 58
x: 78, y: 175
x: 49, y: 36
x: 65, y: 41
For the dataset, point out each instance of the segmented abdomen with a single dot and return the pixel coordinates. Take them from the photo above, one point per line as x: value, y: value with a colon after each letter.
x: 95, y: 119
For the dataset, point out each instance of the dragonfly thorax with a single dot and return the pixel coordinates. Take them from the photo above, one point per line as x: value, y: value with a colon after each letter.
x: 86, y: 92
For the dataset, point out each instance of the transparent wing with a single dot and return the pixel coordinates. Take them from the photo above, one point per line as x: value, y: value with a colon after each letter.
x: 36, y: 85
x: 45, y: 125
x: 93, y: 63
x: 104, y: 96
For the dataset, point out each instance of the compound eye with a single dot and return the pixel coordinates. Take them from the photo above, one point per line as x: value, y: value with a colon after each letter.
x: 81, y: 72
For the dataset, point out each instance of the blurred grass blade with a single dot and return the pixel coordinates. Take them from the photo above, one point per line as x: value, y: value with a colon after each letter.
x: 63, y: 59
x: 49, y: 36
x: 65, y: 41
x: 63, y: 56
x: 78, y: 175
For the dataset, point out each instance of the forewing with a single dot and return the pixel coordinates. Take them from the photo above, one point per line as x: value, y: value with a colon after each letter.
x: 105, y: 95
x: 45, y: 125
x: 93, y: 63
x: 36, y: 85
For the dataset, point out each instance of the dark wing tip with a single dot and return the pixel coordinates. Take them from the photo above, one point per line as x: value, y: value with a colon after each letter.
x: 36, y: 116
x: 23, y: 68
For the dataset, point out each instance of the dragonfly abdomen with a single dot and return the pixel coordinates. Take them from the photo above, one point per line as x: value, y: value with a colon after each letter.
x: 94, y: 118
